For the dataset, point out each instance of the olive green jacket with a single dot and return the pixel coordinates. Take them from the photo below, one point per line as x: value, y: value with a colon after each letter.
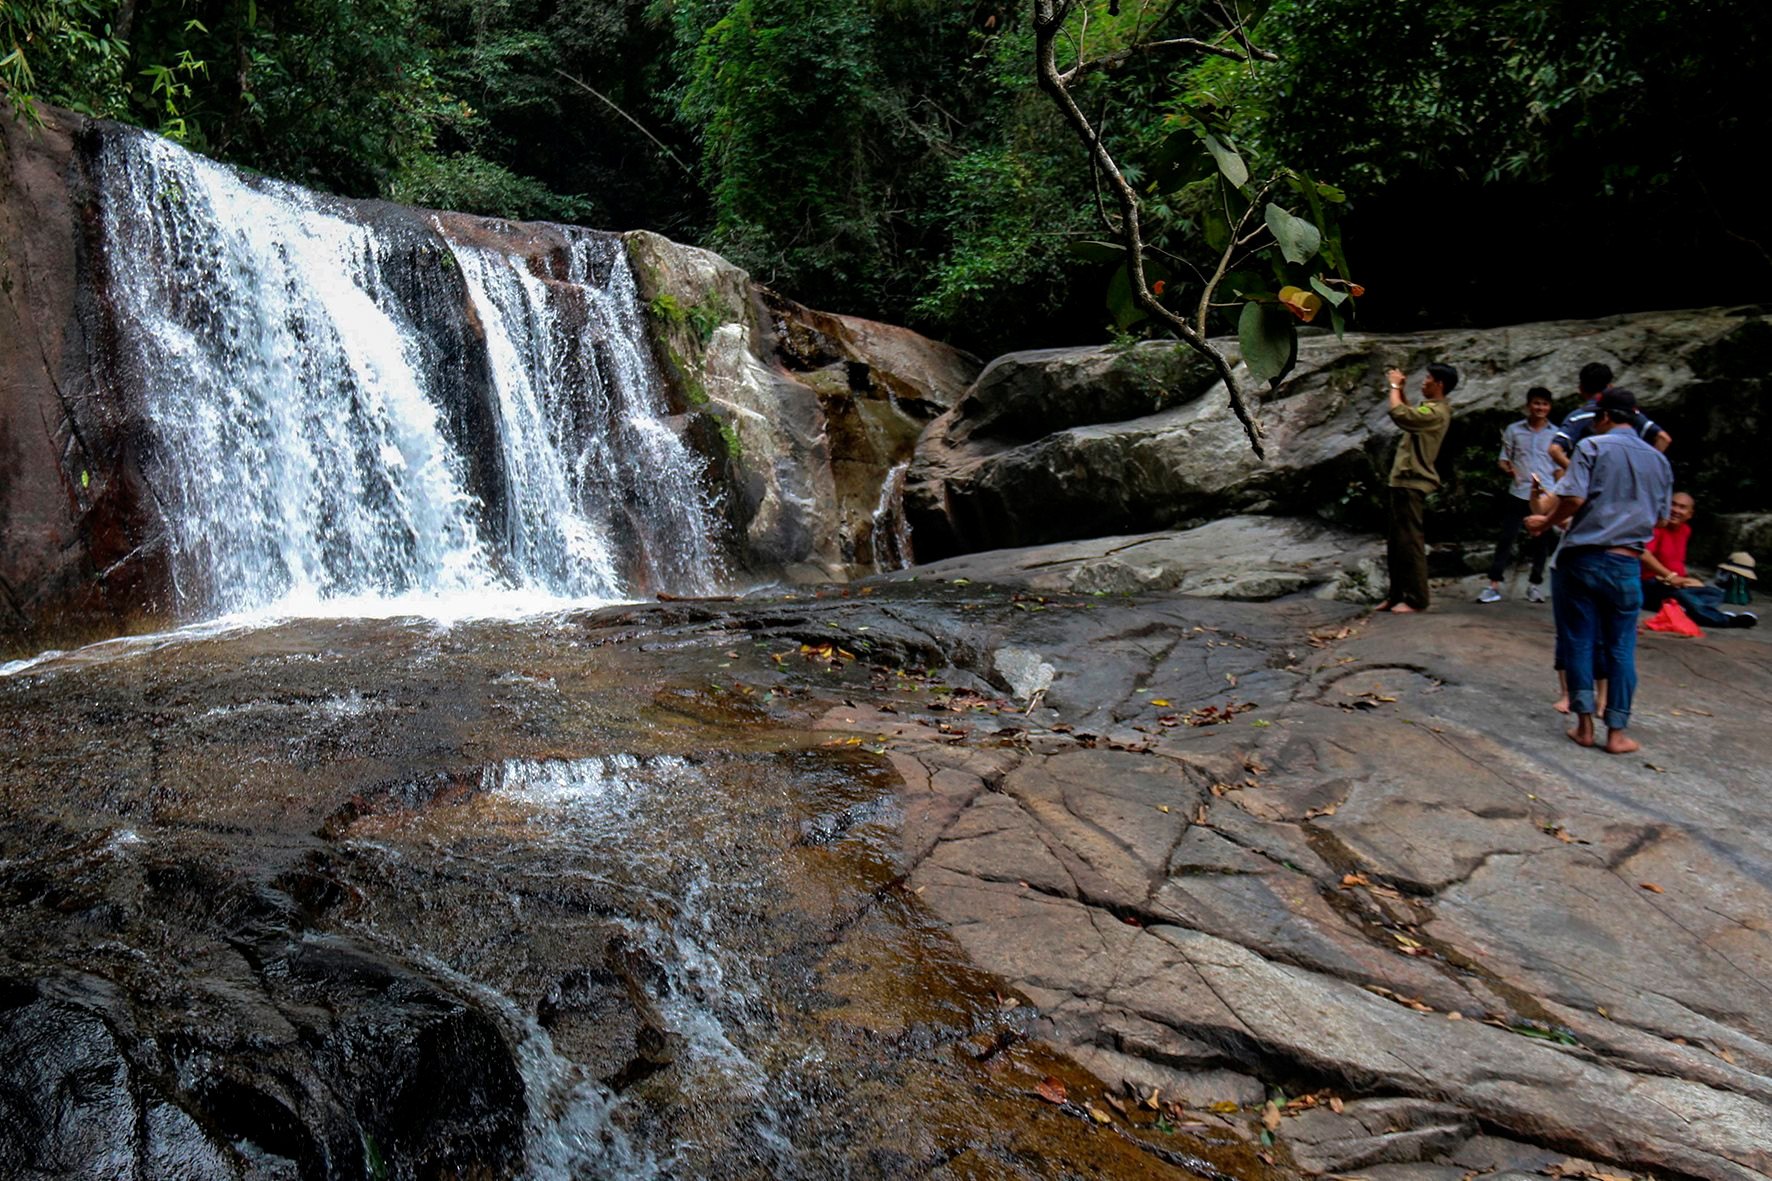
x: 1424, y: 429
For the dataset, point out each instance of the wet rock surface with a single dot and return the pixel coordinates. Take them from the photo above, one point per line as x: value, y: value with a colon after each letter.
x: 826, y: 885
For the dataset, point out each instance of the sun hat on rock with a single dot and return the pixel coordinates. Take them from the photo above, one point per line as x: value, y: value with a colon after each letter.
x: 1740, y: 563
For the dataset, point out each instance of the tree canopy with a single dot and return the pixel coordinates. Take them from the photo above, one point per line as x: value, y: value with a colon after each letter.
x: 896, y: 158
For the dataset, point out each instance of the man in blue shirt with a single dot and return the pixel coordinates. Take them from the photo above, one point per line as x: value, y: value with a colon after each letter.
x: 1617, y: 489
x: 1525, y: 457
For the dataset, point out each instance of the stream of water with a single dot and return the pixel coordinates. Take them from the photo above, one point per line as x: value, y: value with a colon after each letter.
x: 344, y: 410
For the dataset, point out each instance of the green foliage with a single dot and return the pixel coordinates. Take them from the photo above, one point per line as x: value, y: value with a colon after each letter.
x: 1006, y: 221
x: 62, y: 52
x: 466, y: 181
x: 701, y: 318
x: 729, y: 436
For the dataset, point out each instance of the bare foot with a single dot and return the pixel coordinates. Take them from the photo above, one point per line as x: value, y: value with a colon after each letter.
x: 1561, y: 704
x: 1583, y: 734
x: 1403, y: 609
x: 1617, y: 743
x: 1384, y: 606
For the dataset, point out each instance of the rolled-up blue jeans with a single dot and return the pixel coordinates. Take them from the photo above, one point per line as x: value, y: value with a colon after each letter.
x: 1601, y: 595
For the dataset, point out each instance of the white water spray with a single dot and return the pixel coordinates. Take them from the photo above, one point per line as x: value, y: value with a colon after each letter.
x: 317, y: 403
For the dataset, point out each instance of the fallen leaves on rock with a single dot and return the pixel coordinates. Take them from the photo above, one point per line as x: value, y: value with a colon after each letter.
x: 1051, y: 1089
x: 1652, y: 887
x: 1206, y: 715
x: 1359, y: 881
x: 1406, y: 1001
x: 1564, y: 835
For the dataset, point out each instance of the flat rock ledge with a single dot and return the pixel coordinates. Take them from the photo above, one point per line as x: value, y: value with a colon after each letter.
x: 1235, y: 850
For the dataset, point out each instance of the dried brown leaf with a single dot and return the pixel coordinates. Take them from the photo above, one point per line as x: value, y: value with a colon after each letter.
x: 1051, y: 1089
x: 1270, y: 1116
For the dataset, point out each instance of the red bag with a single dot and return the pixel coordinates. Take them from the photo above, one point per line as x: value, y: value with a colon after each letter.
x: 1673, y: 618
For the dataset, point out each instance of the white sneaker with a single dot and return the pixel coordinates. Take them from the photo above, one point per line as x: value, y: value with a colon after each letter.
x: 1489, y: 595
x: 1534, y: 593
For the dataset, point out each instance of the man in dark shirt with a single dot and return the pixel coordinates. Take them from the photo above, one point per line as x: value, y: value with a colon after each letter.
x: 1617, y: 489
x: 1594, y: 377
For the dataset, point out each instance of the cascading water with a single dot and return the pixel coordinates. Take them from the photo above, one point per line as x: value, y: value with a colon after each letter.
x: 327, y: 424
x: 583, y: 434
x: 891, y: 533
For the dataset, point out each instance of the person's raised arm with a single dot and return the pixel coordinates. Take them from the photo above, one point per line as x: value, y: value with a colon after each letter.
x: 1396, y: 378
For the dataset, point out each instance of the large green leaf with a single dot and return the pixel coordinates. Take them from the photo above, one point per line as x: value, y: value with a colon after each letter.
x: 1218, y: 230
x: 1176, y: 174
x: 1121, y: 305
x: 1327, y: 292
x: 1229, y: 162
x: 1299, y: 240
x: 1094, y: 251
x: 1268, y: 341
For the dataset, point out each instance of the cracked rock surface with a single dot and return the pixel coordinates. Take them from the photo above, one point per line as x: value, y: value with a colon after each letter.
x: 1393, y: 876
x: 1272, y: 887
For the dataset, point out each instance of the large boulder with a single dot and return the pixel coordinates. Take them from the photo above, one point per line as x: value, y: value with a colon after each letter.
x: 1063, y: 444
x: 815, y: 410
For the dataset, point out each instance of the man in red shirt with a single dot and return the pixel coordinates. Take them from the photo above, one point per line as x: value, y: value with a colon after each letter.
x: 1665, y: 577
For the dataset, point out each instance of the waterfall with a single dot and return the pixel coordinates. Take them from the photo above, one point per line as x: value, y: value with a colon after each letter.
x: 891, y: 533
x: 342, y: 403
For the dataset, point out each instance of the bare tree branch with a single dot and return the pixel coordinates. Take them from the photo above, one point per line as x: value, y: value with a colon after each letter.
x: 1048, y: 26
x: 1121, y: 56
x: 610, y: 103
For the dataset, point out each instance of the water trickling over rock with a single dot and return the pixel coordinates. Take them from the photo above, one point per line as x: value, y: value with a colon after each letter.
x: 350, y: 401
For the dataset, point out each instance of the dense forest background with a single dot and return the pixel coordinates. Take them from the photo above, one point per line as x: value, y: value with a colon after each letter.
x: 1501, y: 161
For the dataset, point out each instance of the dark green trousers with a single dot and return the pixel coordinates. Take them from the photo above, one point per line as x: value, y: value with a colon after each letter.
x: 1407, y: 552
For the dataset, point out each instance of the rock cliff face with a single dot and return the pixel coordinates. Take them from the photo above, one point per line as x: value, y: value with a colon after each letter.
x: 1071, y: 443
x: 813, y: 410
x: 74, y: 514
x: 798, y: 416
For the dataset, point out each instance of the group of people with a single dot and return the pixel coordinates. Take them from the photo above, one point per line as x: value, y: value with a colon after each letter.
x: 1596, y: 503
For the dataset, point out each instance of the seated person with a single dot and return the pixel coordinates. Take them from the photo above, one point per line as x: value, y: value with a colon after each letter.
x: 1665, y: 577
